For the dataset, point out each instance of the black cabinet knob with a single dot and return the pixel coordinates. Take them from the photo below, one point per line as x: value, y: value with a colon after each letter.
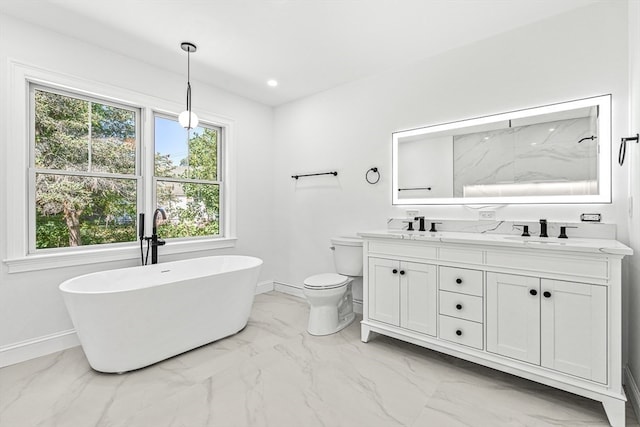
x: 547, y: 294
x: 394, y: 271
x: 458, y: 332
x: 458, y: 280
x: 402, y: 272
x: 459, y: 306
x: 533, y: 292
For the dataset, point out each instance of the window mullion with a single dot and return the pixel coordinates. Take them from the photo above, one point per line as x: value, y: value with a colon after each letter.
x: 90, y: 137
x: 83, y: 173
x: 188, y: 180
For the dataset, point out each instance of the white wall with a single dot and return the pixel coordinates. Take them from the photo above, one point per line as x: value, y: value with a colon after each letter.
x: 632, y: 164
x: 575, y: 55
x: 30, y: 306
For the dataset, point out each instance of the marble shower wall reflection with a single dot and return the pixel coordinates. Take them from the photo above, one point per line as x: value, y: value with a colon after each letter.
x: 542, y: 158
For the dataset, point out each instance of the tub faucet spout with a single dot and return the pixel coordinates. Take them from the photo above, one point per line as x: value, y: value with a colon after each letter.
x: 155, y: 242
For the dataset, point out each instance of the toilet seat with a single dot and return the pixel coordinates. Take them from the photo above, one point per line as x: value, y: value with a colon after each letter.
x: 326, y: 281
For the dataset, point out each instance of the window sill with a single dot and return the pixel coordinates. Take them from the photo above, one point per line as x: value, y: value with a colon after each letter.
x: 96, y: 256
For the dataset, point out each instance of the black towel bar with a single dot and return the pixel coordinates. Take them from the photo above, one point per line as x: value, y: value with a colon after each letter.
x: 334, y: 173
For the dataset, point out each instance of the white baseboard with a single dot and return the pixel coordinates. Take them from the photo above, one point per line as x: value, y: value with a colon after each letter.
x: 357, y: 306
x: 264, y: 287
x: 36, y: 347
x: 633, y: 392
x: 289, y: 289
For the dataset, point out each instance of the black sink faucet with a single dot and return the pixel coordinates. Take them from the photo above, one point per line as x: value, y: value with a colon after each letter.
x: 421, y: 223
x: 155, y: 242
x: 543, y: 228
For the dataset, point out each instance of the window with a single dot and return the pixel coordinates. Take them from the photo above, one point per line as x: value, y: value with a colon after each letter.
x: 86, y: 180
x: 187, y: 178
x: 84, y: 169
x: 91, y: 170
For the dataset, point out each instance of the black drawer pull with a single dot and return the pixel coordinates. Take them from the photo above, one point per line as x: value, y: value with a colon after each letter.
x: 458, y: 280
x: 547, y: 294
x: 459, y: 332
x: 402, y: 272
x: 394, y: 271
x: 459, y: 306
x: 533, y: 292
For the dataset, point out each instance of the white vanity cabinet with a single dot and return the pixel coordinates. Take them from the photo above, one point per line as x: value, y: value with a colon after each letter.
x: 556, y: 324
x: 403, y: 294
x: 549, y: 313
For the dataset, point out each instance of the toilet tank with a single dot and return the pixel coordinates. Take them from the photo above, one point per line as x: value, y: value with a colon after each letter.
x: 347, y: 255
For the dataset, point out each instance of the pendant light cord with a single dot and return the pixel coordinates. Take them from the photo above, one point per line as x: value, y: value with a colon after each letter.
x: 189, y: 85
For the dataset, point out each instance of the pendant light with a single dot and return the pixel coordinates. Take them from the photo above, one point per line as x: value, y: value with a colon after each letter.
x: 188, y: 118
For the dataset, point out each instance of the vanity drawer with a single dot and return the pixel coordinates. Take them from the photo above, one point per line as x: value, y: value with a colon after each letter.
x: 461, y: 280
x: 461, y: 331
x: 462, y: 306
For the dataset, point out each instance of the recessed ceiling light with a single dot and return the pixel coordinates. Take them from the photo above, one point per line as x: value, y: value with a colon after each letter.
x: 272, y: 83
x: 552, y: 129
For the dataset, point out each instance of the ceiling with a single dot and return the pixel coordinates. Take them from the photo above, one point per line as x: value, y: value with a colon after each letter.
x: 308, y: 46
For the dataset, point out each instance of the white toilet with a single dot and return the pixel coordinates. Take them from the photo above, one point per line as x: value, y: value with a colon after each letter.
x: 329, y: 295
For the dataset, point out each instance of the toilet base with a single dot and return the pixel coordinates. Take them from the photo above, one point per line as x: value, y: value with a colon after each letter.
x: 319, y: 330
x: 331, y: 318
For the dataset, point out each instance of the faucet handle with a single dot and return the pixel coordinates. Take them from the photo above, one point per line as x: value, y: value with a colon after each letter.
x: 525, y: 230
x: 563, y: 231
x: 433, y: 227
x: 409, y: 224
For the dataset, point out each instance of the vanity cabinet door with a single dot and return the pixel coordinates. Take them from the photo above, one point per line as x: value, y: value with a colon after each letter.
x: 513, y: 316
x: 384, y: 290
x: 574, y: 328
x: 418, y: 297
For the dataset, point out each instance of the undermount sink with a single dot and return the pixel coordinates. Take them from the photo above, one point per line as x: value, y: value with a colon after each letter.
x: 532, y: 239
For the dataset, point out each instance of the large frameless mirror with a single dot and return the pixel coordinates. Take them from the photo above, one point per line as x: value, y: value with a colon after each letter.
x: 558, y: 153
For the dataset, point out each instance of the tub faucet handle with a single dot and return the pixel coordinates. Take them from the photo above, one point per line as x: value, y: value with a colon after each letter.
x: 409, y: 224
x: 433, y: 227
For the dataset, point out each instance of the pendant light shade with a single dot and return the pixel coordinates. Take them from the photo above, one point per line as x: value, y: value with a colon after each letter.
x: 188, y: 118
x: 183, y: 118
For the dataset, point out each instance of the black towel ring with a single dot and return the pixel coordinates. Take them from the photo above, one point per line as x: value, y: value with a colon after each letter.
x: 374, y: 170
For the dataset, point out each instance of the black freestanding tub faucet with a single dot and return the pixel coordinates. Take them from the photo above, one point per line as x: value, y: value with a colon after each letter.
x: 155, y: 242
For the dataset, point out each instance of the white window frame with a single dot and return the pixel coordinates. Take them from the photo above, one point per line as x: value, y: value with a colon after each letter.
x: 220, y: 148
x: 16, y: 164
x: 33, y: 170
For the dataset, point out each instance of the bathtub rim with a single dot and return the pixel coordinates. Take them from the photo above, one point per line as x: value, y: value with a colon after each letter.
x: 255, y: 262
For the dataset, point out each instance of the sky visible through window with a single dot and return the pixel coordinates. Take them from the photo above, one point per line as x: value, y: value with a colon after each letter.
x: 170, y: 138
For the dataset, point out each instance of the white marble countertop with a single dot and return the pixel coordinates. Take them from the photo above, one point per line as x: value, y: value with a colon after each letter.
x: 574, y: 244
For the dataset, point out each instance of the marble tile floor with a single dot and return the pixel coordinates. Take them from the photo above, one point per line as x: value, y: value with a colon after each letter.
x: 274, y: 374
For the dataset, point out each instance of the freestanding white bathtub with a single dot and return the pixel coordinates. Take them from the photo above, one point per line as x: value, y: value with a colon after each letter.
x: 133, y: 317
